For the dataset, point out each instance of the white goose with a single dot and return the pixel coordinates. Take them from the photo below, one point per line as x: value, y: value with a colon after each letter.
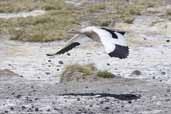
x: 113, y: 41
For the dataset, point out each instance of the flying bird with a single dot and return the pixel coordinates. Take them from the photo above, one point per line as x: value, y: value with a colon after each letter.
x: 114, y: 41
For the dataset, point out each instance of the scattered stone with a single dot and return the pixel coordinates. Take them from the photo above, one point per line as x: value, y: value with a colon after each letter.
x: 13, y: 93
x: 18, y: 96
x: 21, y: 76
x: 9, y: 65
x: 163, y: 73
x: 49, y: 61
x: 61, y: 62
x: 78, y: 99
x: 68, y: 54
x: 23, y: 107
x: 36, y: 99
x: 36, y: 109
x: 129, y: 102
x: 47, y: 73
x: 136, y: 72
x: 48, y: 110
x: 11, y: 108
x: 57, y: 69
x: 108, y: 64
x: 167, y: 41
x: 168, y: 90
x: 107, y: 108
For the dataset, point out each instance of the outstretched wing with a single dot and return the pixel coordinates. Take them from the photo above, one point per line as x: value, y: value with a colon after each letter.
x: 69, y: 46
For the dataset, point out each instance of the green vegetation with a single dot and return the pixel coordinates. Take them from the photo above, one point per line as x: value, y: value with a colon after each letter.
x: 83, y: 72
x: 104, y: 74
x: 61, y: 17
x: 50, y: 26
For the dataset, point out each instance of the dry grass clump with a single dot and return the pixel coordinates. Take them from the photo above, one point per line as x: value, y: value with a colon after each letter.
x: 50, y: 26
x: 83, y: 72
x: 61, y: 17
x: 119, y: 11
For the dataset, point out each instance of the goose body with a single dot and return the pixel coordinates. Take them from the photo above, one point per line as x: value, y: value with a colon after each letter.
x: 114, y: 42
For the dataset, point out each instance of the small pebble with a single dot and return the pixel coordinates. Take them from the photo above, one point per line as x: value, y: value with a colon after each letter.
x: 47, y: 73
x: 11, y: 108
x: 48, y: 110
x: 163, y: 73
x: 167, y: 41
x: 108, y: 64
x: 61, y: 62
x: 129, y: 102
x: 23, y: 107
x: 136, y: 72
x: 49, y: 61
x: 168, y: 90
x: 36, y: 109
x: 78, y: 99
x: 18, y: 96
x: 68, y: 54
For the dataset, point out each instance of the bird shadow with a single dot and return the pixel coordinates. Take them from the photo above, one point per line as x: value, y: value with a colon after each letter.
x: 123, y: 97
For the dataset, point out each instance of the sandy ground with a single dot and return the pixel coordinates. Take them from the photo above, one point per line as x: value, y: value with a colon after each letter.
x: 30, y: 81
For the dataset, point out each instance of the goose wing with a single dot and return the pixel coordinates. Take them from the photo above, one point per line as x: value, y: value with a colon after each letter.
x: 69, y: 45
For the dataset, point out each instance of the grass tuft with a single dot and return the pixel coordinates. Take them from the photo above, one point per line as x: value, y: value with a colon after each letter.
x: 105, y: 74
x: 85, y: 70
x: 61, y: 17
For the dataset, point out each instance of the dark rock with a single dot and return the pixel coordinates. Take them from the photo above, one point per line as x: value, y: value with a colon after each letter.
x: 13, y: 93
x: 47, y: 73
x: 78, y: 99
x: 68, y: 54
x: 129, y: 102
x: 49, y: 61
x: 61, y: 62
x: 23, y: 107
x: 36, y: 109
x: 107, y: 108
x: 136, y: 72
x: 11, y: 108
x: 163, y: 73
x: 36, y: 99
x: 168, y: 90
x: 48, y: 110
x: 167, y: 41
x: 108, y: 64
x: 18, y: 96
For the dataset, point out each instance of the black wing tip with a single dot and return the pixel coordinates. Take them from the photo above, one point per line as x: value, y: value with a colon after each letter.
x: 66, y: 49
x: 120, y: 52
x: 50, y: 54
